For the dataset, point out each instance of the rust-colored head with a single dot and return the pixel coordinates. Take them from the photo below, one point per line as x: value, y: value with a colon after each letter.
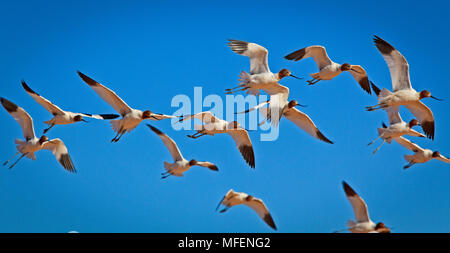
x: 249, y: 198
x: 193, y: 162
x: 283, y: 73
x: 146, y: 114
x: 346, y: 67
x: 292, y: 103
x: 381, y: 228
x: 424, y: 94
x: 43, y: 139
x: 436, y: 154
x: 78, y: 118
x: 233, y: 125
x: 413, y: 122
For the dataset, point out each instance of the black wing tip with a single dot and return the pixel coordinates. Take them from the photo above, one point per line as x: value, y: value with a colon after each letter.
x: 248, y: 154
x: 109, y: 116
x: 383, y: 125
x: 322, y: 137
x: 27, y: 88
x: 213, y: 167
x: 297, y: 55
x: 348, y: 190
x: 67, y: 163
x: 154, y: 129
x: 375, y: 88
x: 8, y: 105
x: 428, y: 129
x: 87, y: 79
x: 365, y: 84
x: 382, y: 45
x: 269, y: 220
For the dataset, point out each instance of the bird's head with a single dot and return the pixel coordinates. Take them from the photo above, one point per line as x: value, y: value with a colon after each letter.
x: 146, y: 114
x: 427, y: 94
x: 233, y: 125
x: 286, y: 72
x: 293, y: 103
x: 413, y: 122
x: 249, y: 198
x: 43, y: 139
x: 436, y: 154
x: 346, y: 67
x: 193, y: 162
x: 381, y: 228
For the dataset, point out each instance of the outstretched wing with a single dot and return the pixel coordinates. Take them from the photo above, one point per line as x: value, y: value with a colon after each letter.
x: 106, y: 94
x: 169, y: 143
x: 59, y: 150
x: 206, y: 117
x: 304, y: 122
x: 424, y: 115
x: 49, y: 106
x: 22, y: 117
x: 208, y: 165
x: 260, y: 208
x: 408, y: 144
x: 318, y: 53
x: 99, y: 116
x: 258, y: 55
x: 244, y: 144
x: 358, y: 204
x: 360, y: 76
x: 398, y: 66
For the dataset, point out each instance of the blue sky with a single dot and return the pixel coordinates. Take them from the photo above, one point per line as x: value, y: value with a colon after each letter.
x: 150, y: 52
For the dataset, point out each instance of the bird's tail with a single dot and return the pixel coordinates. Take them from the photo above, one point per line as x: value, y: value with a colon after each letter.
x: 351, y: 223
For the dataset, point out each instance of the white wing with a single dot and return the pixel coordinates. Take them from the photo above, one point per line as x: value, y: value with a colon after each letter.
x: 318, y: 53
x: 360, y: 76
x: 258, y: 55
x: 49, y: 106
x: 106, y: 94
x: 244, y: 144
x: 443, y: 159
x: 206, y: 117
x: 408, y: 144
x: 393, y: 114
x: 424, y: 115
x: 99, y: 116
x: 22, y: 117
x: 169, y: 143
x: 358, y: 204
x: 277, y: 89
x: 254, y: 107
x: 59, y: 150
x: 260, y: 208
x: 398, y: 66
x: 208, y: 165
x: 304, y: 122
x: 160, y: 116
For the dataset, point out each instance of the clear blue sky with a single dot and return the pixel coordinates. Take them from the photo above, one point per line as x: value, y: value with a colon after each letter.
x: 149, y: 52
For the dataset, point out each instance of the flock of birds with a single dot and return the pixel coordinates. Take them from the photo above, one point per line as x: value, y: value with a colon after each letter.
x: 259, y: 78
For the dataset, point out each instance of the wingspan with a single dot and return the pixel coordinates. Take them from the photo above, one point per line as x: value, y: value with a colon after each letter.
x: 169, y: 143
x: 260, y: 208
x: 107, y: 95
x: 244, y: 144
x: 59, y: 150
x: 258, y: 55
x: 318, y: 53
x: 424, y: 115
x: 360, y: 76
x: 398, y: 66
x: 49, y: 106
x: 22, y: 117
x: 358, y: 204
x: 408, y: 144
x: 304, y: 122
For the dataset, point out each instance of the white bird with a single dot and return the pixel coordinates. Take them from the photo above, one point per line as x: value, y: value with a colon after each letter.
x: 233, y: 198
x: 214, y: 125
x: 279, y: 107
x: 363, y: 224
x: 329, y: 69
x: 397, y: 127
x: 180, y: 164
x: 61, y: 117
x: 130, y: 117
x: 403, y: 93
x: 260, y: 76
x: 420, y: 155
x: 33, y: 144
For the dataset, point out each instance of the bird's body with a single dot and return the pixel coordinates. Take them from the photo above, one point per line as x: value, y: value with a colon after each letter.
x: 32, y: 144
x: 61, y: 117
x: 131, y: 117
x: 363, y: 223
x: 180, y: 164
x: 327, y: 68
x: 233, y: 198
x: 260, y: 76
x: 421, y: 155
x: 403, y: 94
x: 213, y: 125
